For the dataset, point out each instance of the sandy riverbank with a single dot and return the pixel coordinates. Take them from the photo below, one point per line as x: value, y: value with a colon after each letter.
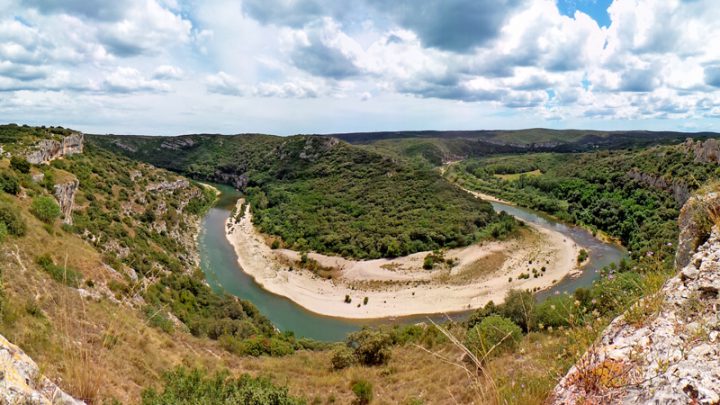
x: 400, y: 286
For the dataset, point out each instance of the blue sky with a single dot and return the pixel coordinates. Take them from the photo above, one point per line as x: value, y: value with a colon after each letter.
x: 321, y: 66
x: 597, y: 9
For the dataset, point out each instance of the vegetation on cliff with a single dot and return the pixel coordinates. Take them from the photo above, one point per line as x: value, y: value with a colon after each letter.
x: 324, y: 195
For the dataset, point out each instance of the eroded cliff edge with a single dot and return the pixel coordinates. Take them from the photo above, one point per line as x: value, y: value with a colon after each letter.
x: 666, y: 349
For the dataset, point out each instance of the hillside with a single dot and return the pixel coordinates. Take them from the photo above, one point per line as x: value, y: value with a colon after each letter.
x: 320, y: 194
x: 438, y: 147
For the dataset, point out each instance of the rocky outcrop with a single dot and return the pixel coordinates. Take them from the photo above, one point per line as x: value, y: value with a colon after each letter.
x: 22, y: 383
x: 679, y: 189
x: 695, y: 224
x: 168, y: 185
x: 50, y: 149
x: 239, y: 181
x: 670, y: 354
x: 65, y: 195
x: 704, y: 152
x: 177, y: 143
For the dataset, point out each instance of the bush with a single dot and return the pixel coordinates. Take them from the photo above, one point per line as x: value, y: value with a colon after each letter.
x: 343, y: 358
x: 555, y: 311
x: 64, y: 275
x: 186, y: 387
x: 45, y: 209
x: 582, y: 256
x: 493, y: 330
x: 20, y: 164
x: 363, y: 391
x: 371, y: 347
x: 258, y: 346
x: 518, y: 307
x: 157, y: 319
x: 9, y: 183
x: 3, y: 232
x: 11, y: 218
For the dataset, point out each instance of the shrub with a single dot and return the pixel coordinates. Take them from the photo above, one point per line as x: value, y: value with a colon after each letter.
x: 343, y: 358
x: 371, y: 347
x: 9, y: 183
x: 157, y: 319
x: 518, y: 307
x: 11, y: 218
x: 582, y: 256
x: 186, y: 387
x: 481, y: 313
x: 64, y: 275
x: 3, y: 232
x: 20, y: 164
x: 555, y: 311
x: 45, y: 209
x: 363, y: 391
x: 258, y: 346
x: 493, y: 330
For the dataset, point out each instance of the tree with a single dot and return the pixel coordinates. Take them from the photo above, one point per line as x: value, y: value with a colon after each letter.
x: 45, y: 209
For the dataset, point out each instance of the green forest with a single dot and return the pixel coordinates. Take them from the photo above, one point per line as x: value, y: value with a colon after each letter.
x: 328, y: 196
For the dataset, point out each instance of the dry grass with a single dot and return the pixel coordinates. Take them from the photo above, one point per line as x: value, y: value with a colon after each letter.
x: 487, y: 265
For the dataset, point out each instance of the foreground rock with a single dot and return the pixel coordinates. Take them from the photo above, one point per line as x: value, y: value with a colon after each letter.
x: 670, y: 354
x: 22, y: 383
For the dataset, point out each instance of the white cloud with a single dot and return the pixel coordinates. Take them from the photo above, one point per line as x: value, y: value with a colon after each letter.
x: 654, y: 62
x: 130, y: 80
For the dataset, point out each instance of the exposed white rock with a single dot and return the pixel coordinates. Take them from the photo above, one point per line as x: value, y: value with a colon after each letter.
x: 672, y: 358
x: 49, y: 149
x: 65, y: 195
x: 22, y: 383
x: 168, y: 185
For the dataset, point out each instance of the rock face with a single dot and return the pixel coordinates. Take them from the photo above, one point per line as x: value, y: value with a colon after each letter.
x: 705, y: 152
x: 48, y: 149
x: 694, y: 224
x: 22, y: 383
x: 65, y: 195
x: 168, y: 185
x: 680, y: 190
x: 669, y: 357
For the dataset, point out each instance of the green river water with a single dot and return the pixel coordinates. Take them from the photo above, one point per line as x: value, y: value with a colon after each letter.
x: 219, y: 263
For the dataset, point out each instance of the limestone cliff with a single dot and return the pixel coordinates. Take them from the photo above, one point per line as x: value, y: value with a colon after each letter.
x: 65, y: 195
x: 22, y: 383
x: 671, y: 354
x: 705, y: 151
x: 50, y: 149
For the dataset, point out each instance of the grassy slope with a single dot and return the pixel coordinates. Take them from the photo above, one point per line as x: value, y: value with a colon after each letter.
x: 318, y: 194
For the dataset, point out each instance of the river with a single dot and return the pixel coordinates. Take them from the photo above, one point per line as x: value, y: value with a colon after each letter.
x: 219, y: 263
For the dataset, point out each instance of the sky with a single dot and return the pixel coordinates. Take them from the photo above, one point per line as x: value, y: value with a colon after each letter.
x: 323, y: 66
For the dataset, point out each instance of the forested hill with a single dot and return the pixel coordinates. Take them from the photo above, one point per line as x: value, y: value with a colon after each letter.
x: 538, y: 137
x: 438, y: 147
x: 322, y: 194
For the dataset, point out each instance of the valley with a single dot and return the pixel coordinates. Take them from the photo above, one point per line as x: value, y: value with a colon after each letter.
x: 152, y: 272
